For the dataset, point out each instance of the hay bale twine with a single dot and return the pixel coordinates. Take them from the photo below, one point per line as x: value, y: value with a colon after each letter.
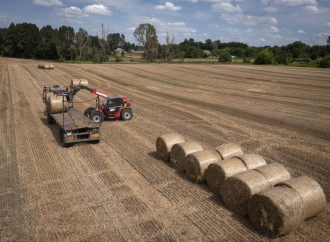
x: 311, y: 193
x: 55, y: 104
x: 165, y: 143
x: 229, y: 150
x: 274, y: 173
x: 276, y: 211
x: 179, y: 153
x: 198, y: 162
x: 218, y: 172
x: 78, y: 82
x: 238, y: 189
x: 252, y: 161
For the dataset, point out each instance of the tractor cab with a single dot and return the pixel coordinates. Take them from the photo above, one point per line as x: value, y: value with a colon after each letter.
x: 112, y: 105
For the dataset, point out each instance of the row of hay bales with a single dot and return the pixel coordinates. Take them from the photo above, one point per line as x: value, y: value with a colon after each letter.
x: 47, y: 67
x: 274, y: 202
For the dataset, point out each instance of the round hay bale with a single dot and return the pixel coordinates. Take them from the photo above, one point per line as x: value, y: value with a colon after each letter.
x: 165, y: 143
x: 238, y: 189
x: 179, y: 153
x: 47, y: 96
x: 198, y: 162
x: 55, y: 104
x: 276, y: 211
x: 46, y: 67
x: 311, y: 193
x: 229, y: 150
x: 218, y: 172
x: 51, y: 67
x: 78, y: 82
x: 252, y: 161
x: 274, y: 173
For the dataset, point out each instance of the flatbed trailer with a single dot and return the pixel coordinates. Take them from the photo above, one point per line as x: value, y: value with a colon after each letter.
x: 75, y: 127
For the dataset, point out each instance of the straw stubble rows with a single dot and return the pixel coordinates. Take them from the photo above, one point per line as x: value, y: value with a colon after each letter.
x: 119, y: 189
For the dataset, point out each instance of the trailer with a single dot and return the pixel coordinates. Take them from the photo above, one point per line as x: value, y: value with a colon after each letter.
x: 74, y: 126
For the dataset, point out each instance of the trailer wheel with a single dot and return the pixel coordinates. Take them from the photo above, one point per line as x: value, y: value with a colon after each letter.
x: 88, y: 111
x: 97, y: 116
x: 126, y: 114
x: 50, y: 119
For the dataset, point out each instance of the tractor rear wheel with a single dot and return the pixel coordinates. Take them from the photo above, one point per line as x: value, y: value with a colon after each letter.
x: 97, y: 116
x: 126, y: 114
x: 88, y: 111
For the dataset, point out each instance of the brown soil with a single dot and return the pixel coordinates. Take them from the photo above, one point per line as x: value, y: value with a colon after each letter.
x: 120, y: 189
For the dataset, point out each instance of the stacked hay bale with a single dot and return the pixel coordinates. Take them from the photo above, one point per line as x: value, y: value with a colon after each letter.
x: 238, y: 189
x: 78, y: 82
x: 165, y: 143
x: 229, y: 150
x: 218, y: 172
x: 282, y: 209
x: 198, y: 162
x: 180, y: 151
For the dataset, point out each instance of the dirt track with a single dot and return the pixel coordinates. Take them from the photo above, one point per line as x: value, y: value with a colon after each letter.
x: 119, y: 189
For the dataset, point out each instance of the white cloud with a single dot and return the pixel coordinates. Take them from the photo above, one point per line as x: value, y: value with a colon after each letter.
x: 48, y: 3
x: 168, y: 6
x: 300, y: 31
x: 249, y: 20
x: 271, y: 9
x: 272, y: 29
x: 292, y: 3
x: 226, y: 7
x: 3, y: 18
x: 72, y: 12
x: 312, y: 9
x: 97, y: 9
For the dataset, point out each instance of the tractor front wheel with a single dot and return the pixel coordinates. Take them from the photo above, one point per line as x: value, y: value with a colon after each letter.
x: 97, y: 116
x: 88, y: 111
x: 126, y: 114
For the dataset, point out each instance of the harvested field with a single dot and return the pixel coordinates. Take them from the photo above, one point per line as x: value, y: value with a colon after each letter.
x: 120, y: 189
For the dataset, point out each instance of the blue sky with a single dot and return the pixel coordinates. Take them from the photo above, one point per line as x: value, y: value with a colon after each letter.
x: 255, y: 22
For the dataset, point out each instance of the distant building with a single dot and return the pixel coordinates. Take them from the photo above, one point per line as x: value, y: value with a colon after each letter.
x: 119, y: 51
x: 207, y: 52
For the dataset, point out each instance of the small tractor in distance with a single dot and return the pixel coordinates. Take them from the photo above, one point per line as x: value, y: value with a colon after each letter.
x: 113, y: 106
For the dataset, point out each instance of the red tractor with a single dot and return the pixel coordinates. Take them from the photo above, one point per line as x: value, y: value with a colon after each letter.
x: 112, y: 108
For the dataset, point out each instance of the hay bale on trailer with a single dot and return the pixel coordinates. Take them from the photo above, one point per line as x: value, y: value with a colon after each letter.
x: 217, y: 173
x: 198, y: 162
x: 165, y: 143
x: 276, y: 211
x: 78, y: 82
x: 180, y: 151
x: 238, y: 189
x: 229, y: 150
x: 252, y: 161
x: 311, y: 193
x: 55, y: 104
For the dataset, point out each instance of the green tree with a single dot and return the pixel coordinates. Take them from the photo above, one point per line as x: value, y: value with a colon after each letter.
x: 264, y: 57
x: 282, y: 58
x: 325, y: 62
x: 146, y: 36
x: 224, y: 56
x: 116, y: 40
x: 66, y: 47
x: 82, y: 40
x: 49, y: 40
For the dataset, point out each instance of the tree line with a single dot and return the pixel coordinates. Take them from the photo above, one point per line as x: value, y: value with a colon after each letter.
x: 26, y: 40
